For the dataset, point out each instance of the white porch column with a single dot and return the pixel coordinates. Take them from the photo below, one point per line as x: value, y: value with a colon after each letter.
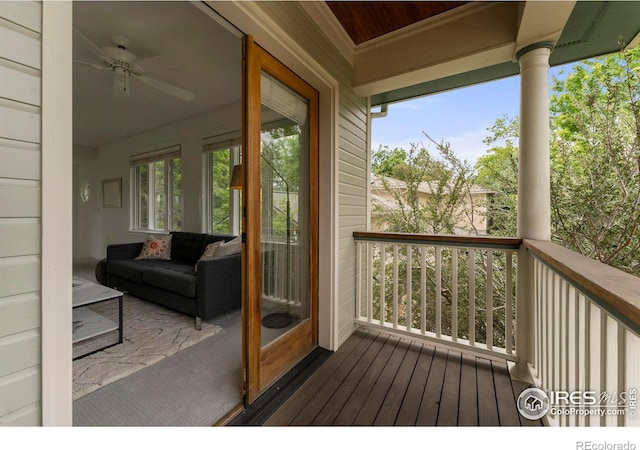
x: 534, y: 187
x: 534, y: 205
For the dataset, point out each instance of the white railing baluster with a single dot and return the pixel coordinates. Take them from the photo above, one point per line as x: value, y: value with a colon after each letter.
x: 454, y: 294
x: 555, y: 333
x: 438, y: 291
x: 538, y: 317
x: 603, y: 356
x: 472, y: 296
x: 489, y: 299
x: 587, y: 346
x: 409, y: 286
x: 611, y: 365
x: 370, y: 253
x: 595, y: 354
x: 563, y: 344
x: 383, y: 293
x: 632, y: 372
x: 508, y: 304
x: 359, y: 279
x: 545, y: 327
x: 581, y: 364
x: 395, y: 286
x: 570, y: 342
x: 423, y: 289
x: 620, y: 349
x: 621, y: 364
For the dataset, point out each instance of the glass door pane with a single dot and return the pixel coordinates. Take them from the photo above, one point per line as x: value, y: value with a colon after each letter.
x: 284, y: 208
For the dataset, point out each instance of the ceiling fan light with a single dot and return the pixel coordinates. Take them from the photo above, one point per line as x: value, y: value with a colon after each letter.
x: 121, y: 82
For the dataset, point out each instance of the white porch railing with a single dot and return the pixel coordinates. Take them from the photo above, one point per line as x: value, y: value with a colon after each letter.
x: 280, y: 283
x: 460, y: 291
x: 453, y: 289
x: 587, y: 335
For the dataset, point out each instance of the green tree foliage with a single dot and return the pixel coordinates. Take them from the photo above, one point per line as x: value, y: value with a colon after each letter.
x: 595, y: 182
x: 498, y: 171
x: 595, y: 162
x: 283, y: 166
x: 447, y: 178
x: 220, y: 191
x: 384, y: 161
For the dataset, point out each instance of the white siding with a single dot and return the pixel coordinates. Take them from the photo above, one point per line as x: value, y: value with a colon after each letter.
x: 20, y: 210
x: 352, y: 158
x: 352, y: 195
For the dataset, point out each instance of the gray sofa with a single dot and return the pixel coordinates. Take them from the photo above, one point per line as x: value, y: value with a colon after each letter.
x: 214, y: 289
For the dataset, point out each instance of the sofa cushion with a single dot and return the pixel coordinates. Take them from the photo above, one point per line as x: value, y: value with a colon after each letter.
x: 129, y: 269
x: 186, y: 246
x: 178, y: 278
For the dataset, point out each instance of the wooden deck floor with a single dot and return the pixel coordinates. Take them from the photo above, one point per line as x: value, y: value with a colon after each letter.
x: 378, y: 379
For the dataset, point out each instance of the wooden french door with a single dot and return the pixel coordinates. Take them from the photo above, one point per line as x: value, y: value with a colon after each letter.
x: 280, y: 223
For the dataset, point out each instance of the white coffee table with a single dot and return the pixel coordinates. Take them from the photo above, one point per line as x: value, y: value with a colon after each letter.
x: 87, y: 323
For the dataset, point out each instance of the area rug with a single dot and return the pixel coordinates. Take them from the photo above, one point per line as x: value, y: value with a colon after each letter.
x: 151, y: 333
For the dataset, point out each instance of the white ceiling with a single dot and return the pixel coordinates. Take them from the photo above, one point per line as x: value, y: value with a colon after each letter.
x: 185, y: 48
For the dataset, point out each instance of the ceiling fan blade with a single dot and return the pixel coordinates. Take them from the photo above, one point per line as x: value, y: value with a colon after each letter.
x: 95, y: 66
x: 166, y: 87
x: 90, y: 45
x: 159, y: 63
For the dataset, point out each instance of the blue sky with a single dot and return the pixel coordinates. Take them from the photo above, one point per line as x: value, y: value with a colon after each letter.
x: 460, y: 117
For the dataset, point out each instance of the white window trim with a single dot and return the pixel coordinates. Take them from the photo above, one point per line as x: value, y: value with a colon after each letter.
x: 167, y: 154
x: 232, y: 142
x: 57, y: 213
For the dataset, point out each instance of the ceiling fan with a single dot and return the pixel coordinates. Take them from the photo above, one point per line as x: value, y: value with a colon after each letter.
x: 123, y: 64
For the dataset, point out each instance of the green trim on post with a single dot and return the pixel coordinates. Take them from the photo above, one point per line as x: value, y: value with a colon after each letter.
x: 544, y: 44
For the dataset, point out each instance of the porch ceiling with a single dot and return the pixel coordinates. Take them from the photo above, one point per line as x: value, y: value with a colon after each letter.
x: 492, y: 33
x: 364, y: 21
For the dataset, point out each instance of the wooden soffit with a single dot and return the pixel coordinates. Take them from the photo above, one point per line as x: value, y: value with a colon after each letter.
x: 364, y: 21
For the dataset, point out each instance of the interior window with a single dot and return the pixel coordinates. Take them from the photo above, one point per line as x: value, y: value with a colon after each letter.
x: 157, y: 192
x: 222, y: 203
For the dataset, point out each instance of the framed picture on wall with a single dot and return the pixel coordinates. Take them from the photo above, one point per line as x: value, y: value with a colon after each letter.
x: 112, y: 193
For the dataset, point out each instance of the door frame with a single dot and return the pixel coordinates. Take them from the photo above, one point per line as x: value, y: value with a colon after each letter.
x: 250, y: 19
x: 264, y: 365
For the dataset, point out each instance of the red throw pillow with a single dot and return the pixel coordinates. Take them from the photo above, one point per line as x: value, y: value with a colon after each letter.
x: 156, y: 248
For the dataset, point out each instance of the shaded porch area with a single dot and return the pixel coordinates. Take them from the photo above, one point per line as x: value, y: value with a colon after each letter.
x: 377, y: 378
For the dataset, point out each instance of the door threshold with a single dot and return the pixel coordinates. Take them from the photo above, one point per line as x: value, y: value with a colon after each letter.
x: 229, y: 416
x: 273, y: 398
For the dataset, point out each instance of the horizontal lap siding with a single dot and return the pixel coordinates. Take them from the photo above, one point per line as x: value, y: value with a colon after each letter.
x: 352, y: 208
x: 352, y: 158
x: 20, y: 214
x: 352, y: 163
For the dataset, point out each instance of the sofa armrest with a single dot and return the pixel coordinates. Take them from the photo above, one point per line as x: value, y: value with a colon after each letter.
x: 219, y: 286
x: 124, y: 251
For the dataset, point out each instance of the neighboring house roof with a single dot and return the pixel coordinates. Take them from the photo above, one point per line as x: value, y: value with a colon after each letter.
x: 424, y: 187
x: 380, y: 196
